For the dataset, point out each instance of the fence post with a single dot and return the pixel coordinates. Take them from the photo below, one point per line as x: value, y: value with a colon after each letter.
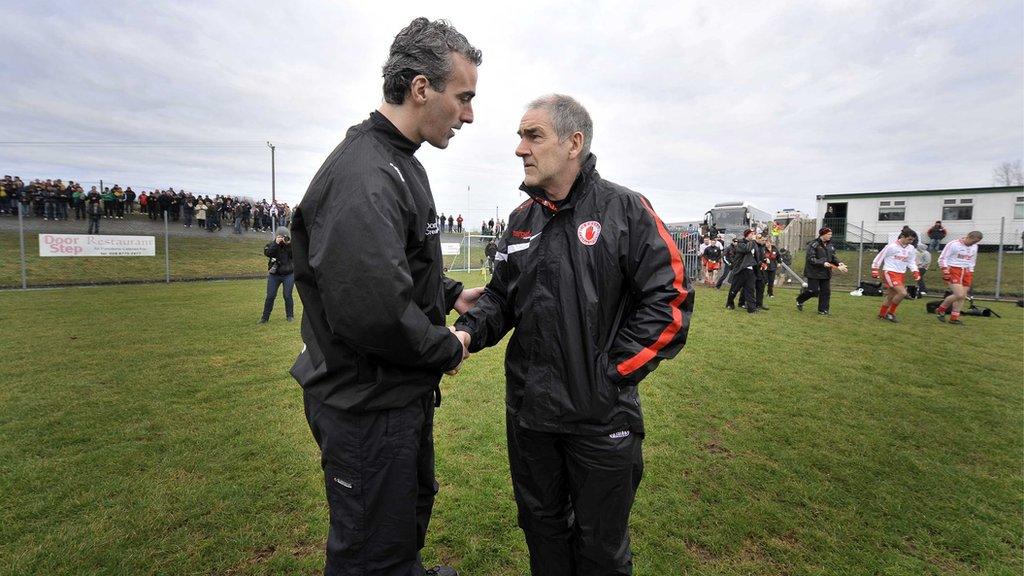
x: 860, y: 255
x: 21, y: 240
x: 167, y: 252
x: 999, y: 260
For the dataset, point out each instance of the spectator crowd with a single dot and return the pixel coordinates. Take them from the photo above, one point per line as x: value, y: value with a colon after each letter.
x: 453, y: 224
x: 57, y: 200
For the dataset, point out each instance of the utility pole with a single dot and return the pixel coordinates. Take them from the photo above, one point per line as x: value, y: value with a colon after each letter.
x: 273, y: 176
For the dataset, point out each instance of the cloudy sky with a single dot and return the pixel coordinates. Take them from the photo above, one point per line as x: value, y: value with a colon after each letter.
x: 693, y: 102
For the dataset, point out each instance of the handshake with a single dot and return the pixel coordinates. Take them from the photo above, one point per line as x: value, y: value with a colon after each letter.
x: 466, y: 339
x: 466, y: 300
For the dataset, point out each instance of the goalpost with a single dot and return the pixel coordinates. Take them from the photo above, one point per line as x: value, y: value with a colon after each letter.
x: 470, y: 256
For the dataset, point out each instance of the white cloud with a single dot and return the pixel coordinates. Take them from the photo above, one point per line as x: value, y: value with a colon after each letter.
x: 697, y: 103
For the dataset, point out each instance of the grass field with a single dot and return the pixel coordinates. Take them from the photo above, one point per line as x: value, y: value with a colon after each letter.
x: 158, y: 432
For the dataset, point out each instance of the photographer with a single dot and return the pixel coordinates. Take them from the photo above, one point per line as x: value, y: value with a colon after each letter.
x: 279, y: 271
x: 490, y: 251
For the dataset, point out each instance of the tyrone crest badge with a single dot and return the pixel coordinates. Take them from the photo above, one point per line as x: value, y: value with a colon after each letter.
x: 588, y: 232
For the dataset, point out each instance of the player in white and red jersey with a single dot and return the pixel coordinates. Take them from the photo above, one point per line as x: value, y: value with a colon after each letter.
x: 891, y: 265
x: 957, y: 264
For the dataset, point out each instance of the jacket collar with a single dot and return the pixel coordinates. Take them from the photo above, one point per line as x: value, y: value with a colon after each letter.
x: 380, y: 126
x: 579, y: 190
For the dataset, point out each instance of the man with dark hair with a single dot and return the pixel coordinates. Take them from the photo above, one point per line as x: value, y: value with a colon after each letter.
x: 710, y: 256
x: 594, y: 286
x: 890, y: 264
x: 821, y: 260
x: 728, y: 258
x: 935, y: 235
x: 745, y: 271
x: 368, y: 268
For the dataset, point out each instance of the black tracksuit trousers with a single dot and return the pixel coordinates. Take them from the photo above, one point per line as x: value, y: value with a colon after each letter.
x: 724, y: 275
x: 820, y: 287
x: 379, y: 474
x: 759, y: 284
x: 743, y: 280
x: 574, y: 494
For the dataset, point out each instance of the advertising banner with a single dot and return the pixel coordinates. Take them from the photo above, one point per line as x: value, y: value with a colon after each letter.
x: 96, y: 245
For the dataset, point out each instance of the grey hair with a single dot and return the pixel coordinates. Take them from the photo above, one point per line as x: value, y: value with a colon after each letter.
x: 424, y: 47
x: 568, y: 117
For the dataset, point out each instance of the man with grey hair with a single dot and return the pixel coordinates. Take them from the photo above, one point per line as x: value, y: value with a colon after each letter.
x: 368, y: 268
x: 596, y: 290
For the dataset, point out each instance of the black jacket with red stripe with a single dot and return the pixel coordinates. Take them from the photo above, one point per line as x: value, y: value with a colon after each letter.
x: 596, y: 291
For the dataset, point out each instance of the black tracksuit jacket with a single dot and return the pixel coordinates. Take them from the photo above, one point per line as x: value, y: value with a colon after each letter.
x: 596, y: 291
x: 746, y: 255
x: 369, y: 271
x: 818, y: 253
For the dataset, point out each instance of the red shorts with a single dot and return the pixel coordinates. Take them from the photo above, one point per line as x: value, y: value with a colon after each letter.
x: 710, y: 264
x: 959, y: 275
x: 893, y: 279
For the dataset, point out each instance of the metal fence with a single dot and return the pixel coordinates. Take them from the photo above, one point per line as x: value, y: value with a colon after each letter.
x: 999, y: 272
x: 180, y: 250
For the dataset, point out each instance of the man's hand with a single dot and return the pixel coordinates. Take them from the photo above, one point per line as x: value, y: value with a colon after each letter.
x: 465, y: 302
x: 917, y: 275
x: 465, y: 339
x: 842, y: 267
x: 874, y: 272
x: 945, y: 274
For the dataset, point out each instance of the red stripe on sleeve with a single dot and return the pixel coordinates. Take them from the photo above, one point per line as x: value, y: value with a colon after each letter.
x: 630, y: 365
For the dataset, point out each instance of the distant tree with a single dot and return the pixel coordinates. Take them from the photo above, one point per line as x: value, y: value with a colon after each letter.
x: 1008, y: 174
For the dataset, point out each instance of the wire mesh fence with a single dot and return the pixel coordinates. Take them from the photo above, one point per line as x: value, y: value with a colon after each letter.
x: 79, y: 249
x: 999, y: 272
x: 176, y: 249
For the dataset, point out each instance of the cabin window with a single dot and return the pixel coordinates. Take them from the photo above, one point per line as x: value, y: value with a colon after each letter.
x: 962, y: 209
x: 890, y: 211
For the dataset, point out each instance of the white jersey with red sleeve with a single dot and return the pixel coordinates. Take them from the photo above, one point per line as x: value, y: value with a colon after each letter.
x: 896, y: 258
x: 959, y: 255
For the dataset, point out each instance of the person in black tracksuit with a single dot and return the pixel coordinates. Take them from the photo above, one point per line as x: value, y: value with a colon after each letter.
x: 760, y: 272
x: 821, y: 259
x: 595, y: 288
x: 728, y: 259
x: 744, y: 276
x: 490, y: 251
x: 368, y: 268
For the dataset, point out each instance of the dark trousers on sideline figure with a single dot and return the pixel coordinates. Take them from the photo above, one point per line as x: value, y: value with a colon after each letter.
x: 744, y: 280
x: 574, y: 494
x: 769, y: 281
x: 724, y: 275
x: 273, y: 281
x: 379, y: 477
x: 820, y: 287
